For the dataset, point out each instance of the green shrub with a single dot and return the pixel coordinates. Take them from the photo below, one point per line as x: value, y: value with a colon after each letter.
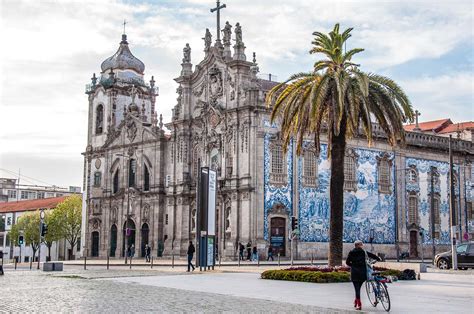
x: 306, y: 276
x: 392, y: 272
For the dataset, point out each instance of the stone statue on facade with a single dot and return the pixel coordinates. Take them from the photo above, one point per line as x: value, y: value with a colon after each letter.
x: 239, y: 47
x: 238, y: 34
x: 207, y: 40
x: 187, y: 54
x: 227, y: 32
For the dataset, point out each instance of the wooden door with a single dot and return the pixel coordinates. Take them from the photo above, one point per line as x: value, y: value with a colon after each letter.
x: 413, y: 243
x: 278, y: 235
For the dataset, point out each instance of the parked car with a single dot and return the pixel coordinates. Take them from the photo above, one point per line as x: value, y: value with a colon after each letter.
x: 465, y: 253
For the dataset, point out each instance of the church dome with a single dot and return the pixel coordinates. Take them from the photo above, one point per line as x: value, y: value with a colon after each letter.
x: 123, y: 59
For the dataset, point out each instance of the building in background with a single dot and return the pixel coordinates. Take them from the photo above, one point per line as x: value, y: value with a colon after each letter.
x: 11, y: 191
x: 12, y: 211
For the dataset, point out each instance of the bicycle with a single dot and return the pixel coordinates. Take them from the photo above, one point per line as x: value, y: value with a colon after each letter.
x: 377, y: 290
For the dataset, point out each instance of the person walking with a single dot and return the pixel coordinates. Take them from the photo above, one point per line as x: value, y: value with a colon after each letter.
x: 249, y: 250
x: 241, y: 251
x: 191, y: 251
x: 357, y: 261
x: 129, y: 251
x: 270, y: 253
x: 254, y: 254
x: 147, y: 253
x: 132, y: 250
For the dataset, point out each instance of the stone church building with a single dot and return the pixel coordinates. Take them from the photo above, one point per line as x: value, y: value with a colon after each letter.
x: 140, y: 172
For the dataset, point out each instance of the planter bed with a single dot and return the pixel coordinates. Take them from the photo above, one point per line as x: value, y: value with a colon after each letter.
x: 321, y: 274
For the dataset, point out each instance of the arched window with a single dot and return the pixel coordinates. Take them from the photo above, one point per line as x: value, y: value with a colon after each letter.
x: 384, y: 177
x: 115, y: 185
x: 412, y: 176
x: 193, y: 220
x: 310, y: 164
x: 195, y: 170
x: 132, y: 172
x: 350, y: 171
x: 413, y: 209
x: 97, y: 179
x: 277, y: 165
x: 435, y: 178
x: 99, y: 119
x: 146, y: 178
x: 436, y: 217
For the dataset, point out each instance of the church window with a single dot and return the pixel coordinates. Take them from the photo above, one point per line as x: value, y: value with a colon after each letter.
x: 470, y: 212
x: 413, y: 209
x: 435, y: 178
x: 193, y: 220
x: 412, y: 176
x: 436, y: 216
x: 195, y: 169
x: 310, y: 164
x: 132, y: 171
x: 99, y: 119
x: 166, y: 219
x: 146, y: 177
x: 350, y: 171
x: 277, y: 165
x: 115, y: 186
x: 97, y: 179
x: 384, y: 176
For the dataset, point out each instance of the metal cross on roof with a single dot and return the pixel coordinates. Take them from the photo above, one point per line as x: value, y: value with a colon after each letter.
x: 218, y: 9
x: 124, y: 22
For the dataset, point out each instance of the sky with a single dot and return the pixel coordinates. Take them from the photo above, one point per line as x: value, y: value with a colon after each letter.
x: 50, y: 49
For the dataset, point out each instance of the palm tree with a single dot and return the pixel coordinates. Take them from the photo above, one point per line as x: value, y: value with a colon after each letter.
x: 339, y: 100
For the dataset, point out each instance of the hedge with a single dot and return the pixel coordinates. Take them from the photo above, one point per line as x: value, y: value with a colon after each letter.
x: 306, y: 276
x: 320, y: 274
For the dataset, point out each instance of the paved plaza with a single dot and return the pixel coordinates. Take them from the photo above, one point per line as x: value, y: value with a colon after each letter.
x: 229, y: 289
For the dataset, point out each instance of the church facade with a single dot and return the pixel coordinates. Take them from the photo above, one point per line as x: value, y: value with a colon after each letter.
x: 140, y: 173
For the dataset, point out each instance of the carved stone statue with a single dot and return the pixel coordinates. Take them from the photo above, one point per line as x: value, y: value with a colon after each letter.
x: 207, y: 40
x: 187, y: 54
x: 227, y: 32
x: 238, y: 34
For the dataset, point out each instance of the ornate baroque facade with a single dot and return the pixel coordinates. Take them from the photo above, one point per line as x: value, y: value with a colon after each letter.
x: 137, y: 177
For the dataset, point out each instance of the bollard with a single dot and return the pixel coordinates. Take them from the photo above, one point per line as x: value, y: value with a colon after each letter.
x: 15, y: 263
x: 108, y: 261
x: 278, y: 259
x: 152, y: 262
x: 172, y: 260
x: 239, y: 260
x: 220, y: 258
x: 311, y: 258
x: 258, y: 260
x: 131, y: 257
x: 85, y: 262
x: 31, y: 263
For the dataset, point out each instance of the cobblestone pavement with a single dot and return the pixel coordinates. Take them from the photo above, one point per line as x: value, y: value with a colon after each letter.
x: 86, y: 291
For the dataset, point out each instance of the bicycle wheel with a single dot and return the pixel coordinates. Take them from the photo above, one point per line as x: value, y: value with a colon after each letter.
x: 384, y: 297
x: 371, y: 292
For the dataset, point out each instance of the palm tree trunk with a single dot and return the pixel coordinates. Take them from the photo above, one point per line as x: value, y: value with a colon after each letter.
x: 336, y: 195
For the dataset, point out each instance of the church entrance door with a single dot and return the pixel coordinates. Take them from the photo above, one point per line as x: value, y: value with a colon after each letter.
x: 113, y: 240
x: 131, y: 237
x: 95, y: 244
x: 145, y: 233
x: 278, y: 235
x: 413, y: 243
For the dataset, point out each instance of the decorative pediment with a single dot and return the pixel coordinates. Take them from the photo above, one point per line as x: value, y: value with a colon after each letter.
x: 131, y: 130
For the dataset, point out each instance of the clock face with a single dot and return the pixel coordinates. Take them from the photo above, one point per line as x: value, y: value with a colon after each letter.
x: 97, y: 163
x: 42, y: 214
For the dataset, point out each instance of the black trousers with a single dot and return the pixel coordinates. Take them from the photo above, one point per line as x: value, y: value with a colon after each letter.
x: 357, y: 286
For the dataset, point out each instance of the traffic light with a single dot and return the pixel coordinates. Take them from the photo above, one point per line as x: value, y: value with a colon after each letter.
x: 21, y: 240
x: 44, y: 229
x: 294, y: 223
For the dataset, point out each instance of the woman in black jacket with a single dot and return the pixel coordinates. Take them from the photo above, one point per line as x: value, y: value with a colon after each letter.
x: 357, y: 262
